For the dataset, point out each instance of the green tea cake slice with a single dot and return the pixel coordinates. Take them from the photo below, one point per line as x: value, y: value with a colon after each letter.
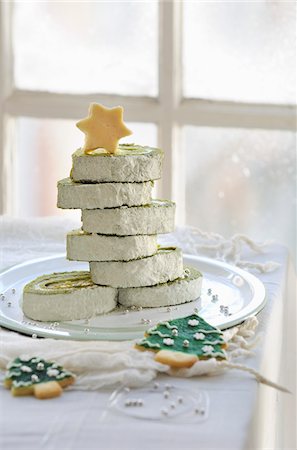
x: 130, y: 163
x: 102, y: 195
x: 66, y: 296
x: 182, y: 290
x: 82, y: 246
x: 155, y: 218
x: 165, y: 265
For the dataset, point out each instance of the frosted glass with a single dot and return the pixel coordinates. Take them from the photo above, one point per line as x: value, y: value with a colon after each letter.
x: 43, y: 156
x: 242, y: 51
x: 241, y: 181
x: 85, y: 47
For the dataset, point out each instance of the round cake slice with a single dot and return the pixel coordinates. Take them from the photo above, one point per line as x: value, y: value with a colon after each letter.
x: 182, y: 290
x: 130, y: 163
x: 165, y: 265
x: 73, y: 195
x: 154, y: 218
x: 66, y: 296
x: 82, y: 246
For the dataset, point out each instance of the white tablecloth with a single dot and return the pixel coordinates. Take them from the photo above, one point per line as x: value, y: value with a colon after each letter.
x: 242, y: 413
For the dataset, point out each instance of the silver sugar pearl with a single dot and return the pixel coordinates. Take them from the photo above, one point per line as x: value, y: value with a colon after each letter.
x: 166, y: 394
x: 196, y: 310
x: 86, y: 330
x: 9, y: 304
x: 172, y: 405
x: 186, y: 343
x: 164, y: 411
x: 127, y: 403
x: 139, y: 308
x: 140, y: 402
x: 180, y: 399
x: 209, y: 291
x: 34, y: 378
x: 168, y: 309
x: 168, y: 386
x: 222, y: 308
x: 34, y: 336
x: 133, y: 308
x: 175, y: 332
x: 126, y: 311
x: 13, y: 290
x: 156, y: 385
x: 40, y: 366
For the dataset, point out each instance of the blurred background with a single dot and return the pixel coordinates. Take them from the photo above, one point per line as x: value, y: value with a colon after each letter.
x: 212, y: 83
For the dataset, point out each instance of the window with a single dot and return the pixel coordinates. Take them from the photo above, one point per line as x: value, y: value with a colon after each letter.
x: 213, y: 84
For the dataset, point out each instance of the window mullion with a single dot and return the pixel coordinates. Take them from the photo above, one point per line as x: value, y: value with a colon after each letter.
x: 172, y: 184
x: 213, y: 113
x: 73, y: 106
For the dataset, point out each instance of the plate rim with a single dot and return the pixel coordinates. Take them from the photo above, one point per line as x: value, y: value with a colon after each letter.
x: 250, y: 310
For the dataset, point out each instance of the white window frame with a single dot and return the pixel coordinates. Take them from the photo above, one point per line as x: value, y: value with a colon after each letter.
x: 169, y: 111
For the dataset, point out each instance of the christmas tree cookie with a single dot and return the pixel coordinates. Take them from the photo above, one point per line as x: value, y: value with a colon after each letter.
x: 182, y: 342
x: 35, y: 376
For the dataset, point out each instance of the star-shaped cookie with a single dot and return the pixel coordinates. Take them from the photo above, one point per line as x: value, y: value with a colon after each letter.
x: 103, y: 128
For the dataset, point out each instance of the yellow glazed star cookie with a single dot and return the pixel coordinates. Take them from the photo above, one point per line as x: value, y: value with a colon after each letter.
x: 182, y: 342
x: 103, y: 128
x: 35, y: 376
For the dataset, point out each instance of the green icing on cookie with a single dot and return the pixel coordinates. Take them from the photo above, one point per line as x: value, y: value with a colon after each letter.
x: 23, y: 372
x: 191, y: 335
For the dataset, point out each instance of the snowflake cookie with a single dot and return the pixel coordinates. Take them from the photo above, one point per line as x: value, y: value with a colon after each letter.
x: 35, y: 376
x: 182, y: 342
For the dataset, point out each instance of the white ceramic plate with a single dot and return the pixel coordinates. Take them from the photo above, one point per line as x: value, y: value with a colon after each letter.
x: 241, y: 292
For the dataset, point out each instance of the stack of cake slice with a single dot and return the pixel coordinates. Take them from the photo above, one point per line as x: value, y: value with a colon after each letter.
x: 112, y: 185
x: 120, y: 224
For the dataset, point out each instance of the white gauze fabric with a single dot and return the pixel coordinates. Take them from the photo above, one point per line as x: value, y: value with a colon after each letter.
x: 99, y: 364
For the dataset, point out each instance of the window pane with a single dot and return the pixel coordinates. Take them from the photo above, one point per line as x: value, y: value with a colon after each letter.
x: 85, y: 47
x: 241, y: 181
x: 44, y: 149
x: 242, y: 51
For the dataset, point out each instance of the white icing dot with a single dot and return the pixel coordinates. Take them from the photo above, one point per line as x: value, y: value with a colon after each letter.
x: 199, y: 336
x: 193, y: 322
x: 207, y: 348
x: 25, y: 358
x: 52, y: 372
x: 168, y: 341
x: 34, y: 378
x: 26, y: 369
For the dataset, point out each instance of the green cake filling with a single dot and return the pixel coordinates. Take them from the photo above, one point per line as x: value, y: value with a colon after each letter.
x: 60, y: 283
x: 122, y: 150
